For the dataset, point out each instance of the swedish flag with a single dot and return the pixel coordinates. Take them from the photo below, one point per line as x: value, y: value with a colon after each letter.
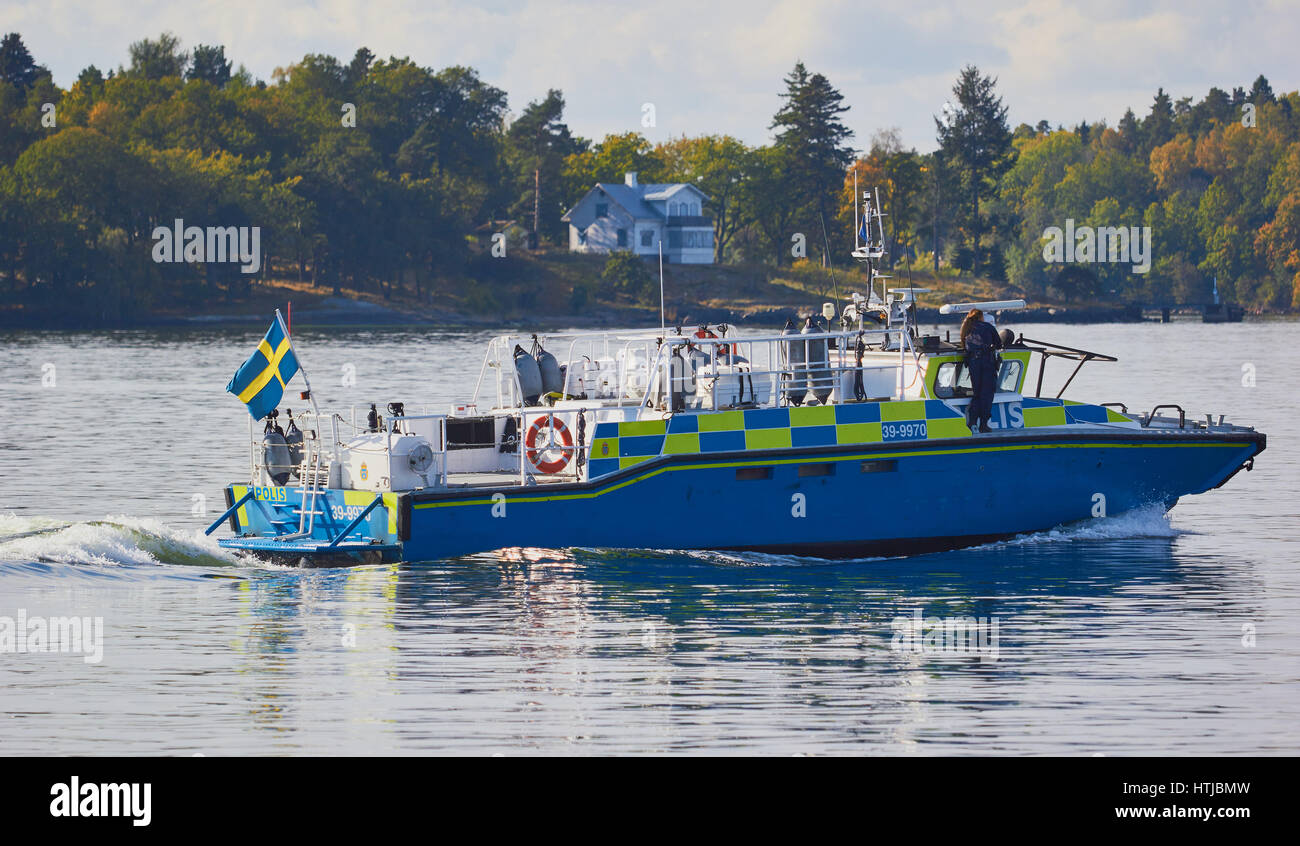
x: 259, y: 384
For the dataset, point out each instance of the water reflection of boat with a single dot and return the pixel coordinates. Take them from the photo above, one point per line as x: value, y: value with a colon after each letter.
x: 839, y: 439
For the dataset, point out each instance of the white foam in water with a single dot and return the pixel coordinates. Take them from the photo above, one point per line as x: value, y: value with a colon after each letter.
x: 1151, y: 521
x: 113, y: 541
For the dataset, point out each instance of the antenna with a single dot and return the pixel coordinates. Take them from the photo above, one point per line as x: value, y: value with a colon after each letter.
x: 826, y: 242
x: 663, y: 326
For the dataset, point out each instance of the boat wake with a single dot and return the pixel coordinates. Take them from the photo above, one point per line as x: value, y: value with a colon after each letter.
x: 1140, y: 523
x: 1151, y: 521
x: 113, y: 541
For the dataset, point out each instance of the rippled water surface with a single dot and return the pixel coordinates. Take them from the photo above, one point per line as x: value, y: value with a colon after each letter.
x: 1138, y: 634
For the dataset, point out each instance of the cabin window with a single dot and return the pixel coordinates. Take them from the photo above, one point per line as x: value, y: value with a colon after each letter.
x: 752, y: 474
x: 952, y: 380
x: 622, y: 237
x: 602, y: 209
x: 1009, y: 378
x: 816, y: 469
x: 647, y: 238
x: 886, y: 465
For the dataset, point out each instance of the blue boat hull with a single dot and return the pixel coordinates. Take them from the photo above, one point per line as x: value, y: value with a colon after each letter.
x: 837, y: 502
x: 829, y: 502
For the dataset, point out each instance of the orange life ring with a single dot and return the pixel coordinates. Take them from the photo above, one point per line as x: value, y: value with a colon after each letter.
x: 534, y: 454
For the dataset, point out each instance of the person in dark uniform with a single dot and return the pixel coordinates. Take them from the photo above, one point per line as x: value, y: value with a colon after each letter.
x: 980, y: 340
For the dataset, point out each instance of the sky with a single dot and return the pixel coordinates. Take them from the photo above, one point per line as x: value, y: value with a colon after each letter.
x: 717, y: 66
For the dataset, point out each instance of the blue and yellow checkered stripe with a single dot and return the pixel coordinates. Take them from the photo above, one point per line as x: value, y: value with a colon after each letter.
x: 1056, y: 412
x: 617, y: 445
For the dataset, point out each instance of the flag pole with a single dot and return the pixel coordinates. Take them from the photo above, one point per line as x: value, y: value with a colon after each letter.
x: 310, y: 395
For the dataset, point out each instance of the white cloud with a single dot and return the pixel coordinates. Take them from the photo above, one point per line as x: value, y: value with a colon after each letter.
x: 717, y: 67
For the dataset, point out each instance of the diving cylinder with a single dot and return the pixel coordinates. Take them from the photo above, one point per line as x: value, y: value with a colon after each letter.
x: 275, y: 456
x: 819, y: 373
x: 549, y: 368
x: 293, y: 440
x: 682, y: 376
x: 530, y: 376
x: 796, y: 386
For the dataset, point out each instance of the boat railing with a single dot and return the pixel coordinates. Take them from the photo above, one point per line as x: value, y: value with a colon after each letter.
x: 826, y: 371
x: 624, y: 368
x: 1047, y: 350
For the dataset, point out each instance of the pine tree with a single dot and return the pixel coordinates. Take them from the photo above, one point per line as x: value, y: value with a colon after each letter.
x: 1158, y: 128
x: 1130, y: 132
x: 975, y: 143
x: 16, y: 64
x: 813, y: 141
x: 209, y: 64
x: 1261, y: 92
x: 537, y: 144
x: 359, y: 66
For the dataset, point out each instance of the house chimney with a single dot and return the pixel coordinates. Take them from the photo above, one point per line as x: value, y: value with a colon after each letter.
x: 629, y: 179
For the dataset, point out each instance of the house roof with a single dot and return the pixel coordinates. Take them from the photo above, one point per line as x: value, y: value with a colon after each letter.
x: 630, y: 199
x: 633, y: 200
x: 665, y: 190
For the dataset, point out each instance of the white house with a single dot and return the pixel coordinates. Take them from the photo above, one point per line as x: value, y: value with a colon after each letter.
x: 639, y: 218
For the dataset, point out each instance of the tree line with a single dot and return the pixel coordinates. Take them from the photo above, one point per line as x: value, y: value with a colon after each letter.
x: 383, y: 175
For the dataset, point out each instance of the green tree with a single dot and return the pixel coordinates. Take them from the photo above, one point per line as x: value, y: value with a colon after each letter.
x: 814, y: 143
x: 209, y: 64
x: 1158, y: 125
x: 609, y: 161
x: 627, y: 273
x: 975, y: 143
x: 718, y: 165
x: 763, y: 196
x: 16, y: 64
x: 158, y: 59
x: 537, y: 143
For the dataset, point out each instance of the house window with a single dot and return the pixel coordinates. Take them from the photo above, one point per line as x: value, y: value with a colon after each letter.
x: 602, y: 209
x: 647, y: 237
x: 582, y: 237
x: 622, y: 237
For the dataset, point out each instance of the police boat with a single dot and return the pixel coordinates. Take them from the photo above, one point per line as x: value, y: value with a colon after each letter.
x: 844, y: 435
